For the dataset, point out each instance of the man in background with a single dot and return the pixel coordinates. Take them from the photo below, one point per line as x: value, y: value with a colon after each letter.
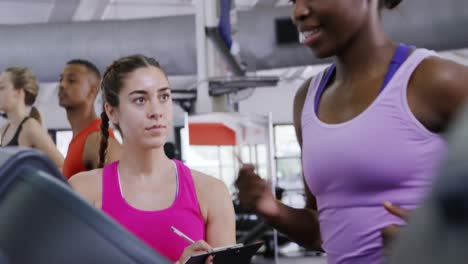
x: 78, y: 88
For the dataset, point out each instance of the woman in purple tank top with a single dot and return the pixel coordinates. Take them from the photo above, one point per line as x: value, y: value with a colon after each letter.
x: 145, y: 191
x: 369, y: 128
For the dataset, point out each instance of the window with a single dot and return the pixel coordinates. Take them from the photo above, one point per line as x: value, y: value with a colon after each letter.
x: 216, y: 161
x: 221, y: 161
x: 286, y: 144
x: 289, y: 165
x: 62, y: 139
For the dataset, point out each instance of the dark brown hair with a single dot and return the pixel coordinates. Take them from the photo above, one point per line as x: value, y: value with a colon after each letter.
x: 112, y: 82
x: 87, y: 64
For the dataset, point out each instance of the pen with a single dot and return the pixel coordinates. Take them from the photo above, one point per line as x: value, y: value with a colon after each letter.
x: 182, y: 235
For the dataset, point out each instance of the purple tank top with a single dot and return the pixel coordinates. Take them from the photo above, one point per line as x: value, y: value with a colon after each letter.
x: 383, y: 154
x: 153, y: 227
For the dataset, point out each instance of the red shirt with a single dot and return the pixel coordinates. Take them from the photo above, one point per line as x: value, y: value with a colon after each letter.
x: 73, y: 162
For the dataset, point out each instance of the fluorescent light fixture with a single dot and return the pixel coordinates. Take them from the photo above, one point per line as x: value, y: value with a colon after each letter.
x: 229, y: 84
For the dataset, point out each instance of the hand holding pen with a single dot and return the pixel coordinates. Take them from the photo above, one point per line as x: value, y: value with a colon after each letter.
x: 196, y: 247
x: 182, y: 235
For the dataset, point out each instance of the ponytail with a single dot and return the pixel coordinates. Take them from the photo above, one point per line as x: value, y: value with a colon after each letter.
x: 104, y: 139
x: 34, y: 113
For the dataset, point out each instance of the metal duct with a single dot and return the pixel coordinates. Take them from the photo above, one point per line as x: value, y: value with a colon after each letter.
x: 45, y: 48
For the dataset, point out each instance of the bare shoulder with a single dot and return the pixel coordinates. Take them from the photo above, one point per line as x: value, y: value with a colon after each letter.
x: 210, y: 191
x: 32, y: 126
x: 442, y: 85
x: 2, y: 128
x: 301, y: 93
x: 90, y: 156
x: 89, y: 185
x: 32, y: 133
x: 92, y: 140
x: 206, y: 183
x: 87, y: 176
x: 436, y: 71
x: 93, y: 137
x: 299, y: 100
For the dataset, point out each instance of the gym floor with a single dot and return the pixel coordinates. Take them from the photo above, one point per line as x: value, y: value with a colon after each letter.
x: 291, y: 260
x: 290, y: 253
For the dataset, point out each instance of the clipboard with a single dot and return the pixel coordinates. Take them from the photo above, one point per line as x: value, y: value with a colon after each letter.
x: 230, y: 255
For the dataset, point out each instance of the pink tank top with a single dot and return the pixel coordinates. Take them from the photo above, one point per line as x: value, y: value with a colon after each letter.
x: 154, y: 227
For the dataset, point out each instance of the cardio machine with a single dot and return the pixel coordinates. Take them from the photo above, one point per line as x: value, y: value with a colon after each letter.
x: 43, y: 221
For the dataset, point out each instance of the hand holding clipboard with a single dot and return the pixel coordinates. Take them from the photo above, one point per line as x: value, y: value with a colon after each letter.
x: 197, y: 247
x: 226, y: 255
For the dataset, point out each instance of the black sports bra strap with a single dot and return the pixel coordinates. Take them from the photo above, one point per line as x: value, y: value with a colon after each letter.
x: 14, y: 140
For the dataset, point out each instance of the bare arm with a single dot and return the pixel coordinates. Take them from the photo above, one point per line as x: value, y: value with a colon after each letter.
x: 301, y: 225
x: 437, y: 91
x: 2, y: 130
x: 36, y: 137
x: 305, y: 230
x: 91, y: 150
x: 217, y: 209
x: 88, y: 185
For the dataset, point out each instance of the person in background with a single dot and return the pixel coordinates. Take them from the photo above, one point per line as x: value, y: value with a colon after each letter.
x: 78, y: 88
x: 145, y: 191
x: 370, y: 129
x: 170, y: 150
x: 18, y: 90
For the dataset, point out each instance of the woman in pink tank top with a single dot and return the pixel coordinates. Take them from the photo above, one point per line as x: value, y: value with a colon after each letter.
x: 145, y: 191
x: 370, y: 129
